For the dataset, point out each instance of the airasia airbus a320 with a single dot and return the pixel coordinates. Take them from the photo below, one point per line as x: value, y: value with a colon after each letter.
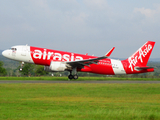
x: 54, y: 60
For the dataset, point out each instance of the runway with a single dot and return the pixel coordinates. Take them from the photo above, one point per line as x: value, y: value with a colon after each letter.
x: 69, y: 81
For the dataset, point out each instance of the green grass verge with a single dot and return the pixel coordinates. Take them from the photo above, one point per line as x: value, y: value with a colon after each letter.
x: 80, y: 101
x: 79, y: 79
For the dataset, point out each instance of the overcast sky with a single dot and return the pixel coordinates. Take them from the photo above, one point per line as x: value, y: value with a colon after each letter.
x: 81, y: 26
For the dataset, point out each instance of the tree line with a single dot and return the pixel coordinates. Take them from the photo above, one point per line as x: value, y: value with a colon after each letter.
x: 12, y: 69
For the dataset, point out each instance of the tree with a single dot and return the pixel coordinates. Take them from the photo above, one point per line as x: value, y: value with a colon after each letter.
x: 3, y: 71
x: 28, y: 69
x: 40, y: 70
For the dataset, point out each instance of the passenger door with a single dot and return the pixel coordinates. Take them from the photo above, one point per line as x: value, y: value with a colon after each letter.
x: 24, y: 50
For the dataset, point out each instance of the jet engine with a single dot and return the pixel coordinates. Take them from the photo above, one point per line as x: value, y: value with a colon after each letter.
x: 55, y: 67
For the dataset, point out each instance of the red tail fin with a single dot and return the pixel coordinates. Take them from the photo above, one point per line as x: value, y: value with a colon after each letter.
x: 141, y: 56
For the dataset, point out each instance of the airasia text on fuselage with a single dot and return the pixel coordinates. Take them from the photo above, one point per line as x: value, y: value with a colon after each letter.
x: 55, y: 56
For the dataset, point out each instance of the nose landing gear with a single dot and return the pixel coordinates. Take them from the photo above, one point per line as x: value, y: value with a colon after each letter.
x: 21, y: 68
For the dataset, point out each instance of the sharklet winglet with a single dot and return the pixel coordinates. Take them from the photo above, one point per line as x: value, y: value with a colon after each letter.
x: 110, y: 52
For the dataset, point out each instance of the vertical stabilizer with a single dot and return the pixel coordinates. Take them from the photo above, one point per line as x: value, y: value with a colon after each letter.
x: 141, y: 56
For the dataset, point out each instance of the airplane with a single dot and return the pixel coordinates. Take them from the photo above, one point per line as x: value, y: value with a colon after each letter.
x: 55, y: 60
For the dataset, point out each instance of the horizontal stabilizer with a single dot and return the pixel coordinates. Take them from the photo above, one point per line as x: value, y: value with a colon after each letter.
x: 143, y: 68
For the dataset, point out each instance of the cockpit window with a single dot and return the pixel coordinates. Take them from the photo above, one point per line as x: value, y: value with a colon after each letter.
x: 14, y: 49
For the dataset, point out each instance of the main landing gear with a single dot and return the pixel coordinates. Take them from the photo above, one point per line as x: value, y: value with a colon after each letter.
x: 75, y: 76
x: 72, y: 76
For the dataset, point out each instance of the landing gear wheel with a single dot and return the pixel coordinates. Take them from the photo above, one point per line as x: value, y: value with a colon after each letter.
x: 70, y: 77
x: 75, y: 77
x: 20, y: 69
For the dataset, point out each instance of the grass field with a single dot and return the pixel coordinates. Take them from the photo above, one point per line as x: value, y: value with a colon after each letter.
x: 80, y: 78
x: 80, y: 101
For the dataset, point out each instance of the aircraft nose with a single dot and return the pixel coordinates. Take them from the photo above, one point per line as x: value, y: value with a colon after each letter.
x: 5, y: 53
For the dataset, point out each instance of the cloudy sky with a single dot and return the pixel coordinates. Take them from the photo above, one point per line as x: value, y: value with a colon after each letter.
x: 81, y: 26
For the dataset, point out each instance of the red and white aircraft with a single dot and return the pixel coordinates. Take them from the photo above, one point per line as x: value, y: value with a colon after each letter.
x: 54, y: 60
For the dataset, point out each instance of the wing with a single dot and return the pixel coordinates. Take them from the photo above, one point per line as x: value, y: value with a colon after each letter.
x: 87, y: 62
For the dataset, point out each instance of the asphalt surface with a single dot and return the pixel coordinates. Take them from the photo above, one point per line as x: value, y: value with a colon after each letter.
x: 73, y: 81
